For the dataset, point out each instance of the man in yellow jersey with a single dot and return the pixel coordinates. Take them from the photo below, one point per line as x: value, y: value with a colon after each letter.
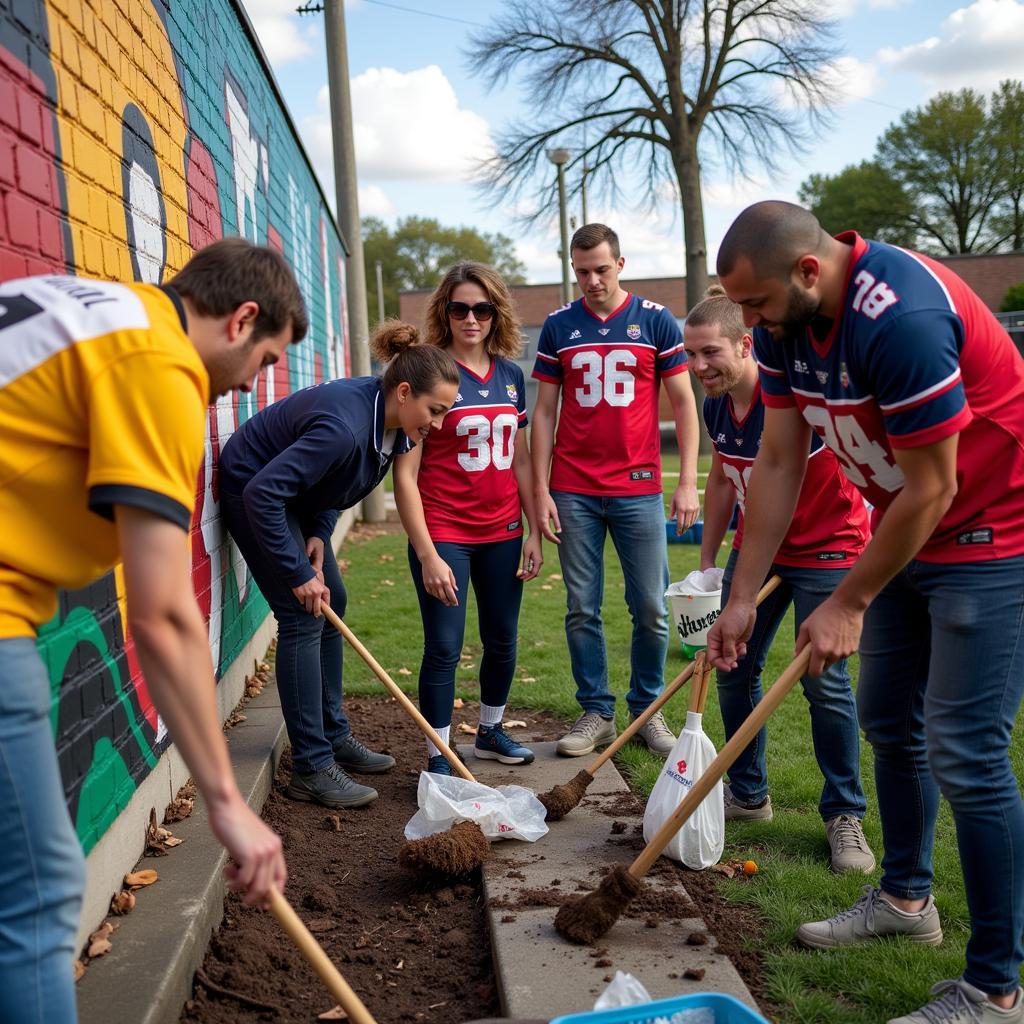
x: 104, y: 390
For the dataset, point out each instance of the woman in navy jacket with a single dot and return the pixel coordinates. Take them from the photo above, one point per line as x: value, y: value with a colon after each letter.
x: 285, y: 475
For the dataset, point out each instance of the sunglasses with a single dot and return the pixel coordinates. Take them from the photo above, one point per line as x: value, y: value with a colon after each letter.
x: 481, y: 310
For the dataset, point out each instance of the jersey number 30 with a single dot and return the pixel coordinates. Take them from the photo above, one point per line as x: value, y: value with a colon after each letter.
x: 606, y: 377
x: 490, y: 443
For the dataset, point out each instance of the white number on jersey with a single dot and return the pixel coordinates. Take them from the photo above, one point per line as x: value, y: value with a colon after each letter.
x: 605, y: 378
x: 490, y: 443
x: 873, y: 297
x: 854, y: 449
x: 739, y: 480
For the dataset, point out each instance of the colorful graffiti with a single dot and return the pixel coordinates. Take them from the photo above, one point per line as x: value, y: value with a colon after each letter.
x: 133, y: 132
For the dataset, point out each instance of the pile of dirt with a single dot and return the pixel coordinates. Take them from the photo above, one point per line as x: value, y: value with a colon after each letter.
x: 411, y: 954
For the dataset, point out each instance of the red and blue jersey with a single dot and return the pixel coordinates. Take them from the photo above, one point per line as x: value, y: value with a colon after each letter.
x: 913, y: 357
x: 830, y: 525
x: 609, y: 371
x: 466, y: 482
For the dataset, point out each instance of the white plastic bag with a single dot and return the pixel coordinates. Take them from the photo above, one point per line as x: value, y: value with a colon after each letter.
x: 699, y: 843
x: 622, y: 990
x: 695, y: 602
x: 508, y: 812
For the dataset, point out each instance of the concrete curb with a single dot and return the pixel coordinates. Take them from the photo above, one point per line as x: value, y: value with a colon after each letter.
x: 147, y: 976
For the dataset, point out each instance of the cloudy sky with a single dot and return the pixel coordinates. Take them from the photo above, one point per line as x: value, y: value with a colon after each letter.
x: 421, y: 119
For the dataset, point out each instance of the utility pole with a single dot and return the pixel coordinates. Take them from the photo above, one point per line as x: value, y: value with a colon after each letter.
x: 347, y: 198
x: 559, y: 157
x: 379, y: 267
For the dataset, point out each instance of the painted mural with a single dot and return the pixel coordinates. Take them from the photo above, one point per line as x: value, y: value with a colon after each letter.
x: 133, y: 132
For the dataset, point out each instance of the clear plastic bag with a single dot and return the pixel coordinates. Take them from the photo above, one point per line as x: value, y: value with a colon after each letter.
x: 699, y: 843
x: 622, y: 990
x: 508, y: 812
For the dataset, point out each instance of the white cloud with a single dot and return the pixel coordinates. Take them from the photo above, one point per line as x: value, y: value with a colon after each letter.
x: 847, y: 8
x: 848, y: 78
x: 280, y: 31
x: 978, y: 46
x: 375, y: 202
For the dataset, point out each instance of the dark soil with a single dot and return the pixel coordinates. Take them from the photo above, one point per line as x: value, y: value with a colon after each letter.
x: 411, y: 953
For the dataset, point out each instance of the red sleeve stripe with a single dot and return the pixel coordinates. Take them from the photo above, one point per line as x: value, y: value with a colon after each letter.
x: 935, y: 433
x: 673, y: 370
x: 923, y: 396
x: 770, y: 369
x: 672, y: 351
x: 549, y: 377
x: 778, y: 401
x: 547, y: 358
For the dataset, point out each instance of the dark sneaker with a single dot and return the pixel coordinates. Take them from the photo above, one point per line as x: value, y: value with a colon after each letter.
x: 494, y: 744
x: 957, y: 1002
x: 331, y: 787
x: 850, y: 850
x: 438, y: 764
x: 737, y: 811
x: 589, y: 731
x: 872, y: 917
x: 354, y: 757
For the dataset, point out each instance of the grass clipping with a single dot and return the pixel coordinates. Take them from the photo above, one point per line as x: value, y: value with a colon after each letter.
x: 444, y: 855
x: 560, y: 800
x: 584, y: 919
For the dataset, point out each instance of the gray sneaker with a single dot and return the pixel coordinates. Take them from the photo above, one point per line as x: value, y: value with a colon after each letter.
x: 331, y: 787
x: 589, y: 731
x: 872, y: 917
x: 656, y: 734
x: 957, y: 1002
x: 736, y: 811
x: 354, y: 756
x: 850, y: 850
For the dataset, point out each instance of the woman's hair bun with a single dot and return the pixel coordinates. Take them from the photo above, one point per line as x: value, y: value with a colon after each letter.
x: 393, y: 337
x: 713, y: 290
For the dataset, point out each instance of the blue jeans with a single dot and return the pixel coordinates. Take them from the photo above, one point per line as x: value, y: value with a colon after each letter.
x: 941, y: 680
x: 309, y: 650
x: 834, y: 731
x: 637, y: 528
x: 42, y: 870
x: 492, y: 569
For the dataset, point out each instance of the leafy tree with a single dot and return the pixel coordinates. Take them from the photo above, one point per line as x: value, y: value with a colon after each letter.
x: 1007, y: 121
x: 654, y: 88
x: 862, y: 196
x: 1013, y: 300
x: 420, y: 249
x: 942, y: 156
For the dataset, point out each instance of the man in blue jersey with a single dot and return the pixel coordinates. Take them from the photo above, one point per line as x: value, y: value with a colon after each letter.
x: 606, y: 355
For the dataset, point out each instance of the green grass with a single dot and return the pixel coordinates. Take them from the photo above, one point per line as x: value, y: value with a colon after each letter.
x: 851, y: 986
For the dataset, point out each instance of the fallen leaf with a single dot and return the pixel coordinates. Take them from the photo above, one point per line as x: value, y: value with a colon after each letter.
x: 554, y: 576
x: 466, y: 728
x: 79, y: 969
x: 458, y: 703
x: 123, y: 902
x: 404, y: 672
x: 337, y: 1013
x: 399, y: 965
x: 546, y: 586
x: 343, y: 565
x: 138, y: 879
x: 724, y: 869
x: 102, y: 932
x: 99, y: 947
x: 515, y: 723
x: 321, y: 924
x: 387, y: 583
x: 469, y: 666
x: 528, y: 679
x: 387, y: 558
x: 173, y: 841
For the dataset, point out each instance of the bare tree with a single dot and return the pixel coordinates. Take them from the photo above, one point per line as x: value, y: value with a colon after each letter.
x: 659, y: 85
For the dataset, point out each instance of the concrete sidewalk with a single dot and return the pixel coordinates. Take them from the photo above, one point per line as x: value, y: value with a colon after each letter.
x: 147, y: 976
x: 541, y: 975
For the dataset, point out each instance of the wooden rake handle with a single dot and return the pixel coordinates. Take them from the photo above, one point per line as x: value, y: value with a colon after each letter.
x: 318, y: 960
x: 722, y: 763
x: 396, y: 691
x: 663, y: 698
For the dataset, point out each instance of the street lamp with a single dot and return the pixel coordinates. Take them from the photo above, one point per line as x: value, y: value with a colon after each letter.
x: 560, y: 157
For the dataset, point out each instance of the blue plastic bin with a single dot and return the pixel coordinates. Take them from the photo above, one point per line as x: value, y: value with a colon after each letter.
x: 727, y: 1011
x: 694, y: 535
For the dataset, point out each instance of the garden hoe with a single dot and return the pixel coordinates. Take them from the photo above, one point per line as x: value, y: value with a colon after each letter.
x: 463, y: 847
x: 560, y: 800
x: 584, y: 919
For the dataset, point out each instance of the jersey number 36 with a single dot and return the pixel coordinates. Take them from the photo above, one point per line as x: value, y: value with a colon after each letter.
x: 605, y: 377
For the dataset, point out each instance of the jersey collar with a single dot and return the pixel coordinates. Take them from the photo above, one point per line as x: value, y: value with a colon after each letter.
x: 402, y: 442
x: 614, y: 313
x: 485, y: 378
x: 179, y: 306
x: 860, y: 247
x: 754, y: 399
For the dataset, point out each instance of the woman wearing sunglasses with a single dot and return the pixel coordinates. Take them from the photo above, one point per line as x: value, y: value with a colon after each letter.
x: 284, y: 476
x: 462, y: 496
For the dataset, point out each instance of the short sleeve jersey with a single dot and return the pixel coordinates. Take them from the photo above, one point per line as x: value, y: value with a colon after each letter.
x: 913, y: 357
x: 466, y: 482
x: 103, y: 402
x: 609, y: 371
x: 830, y: 525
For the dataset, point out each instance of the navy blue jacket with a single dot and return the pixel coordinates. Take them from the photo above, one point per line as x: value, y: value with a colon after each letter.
x: 313, y: 454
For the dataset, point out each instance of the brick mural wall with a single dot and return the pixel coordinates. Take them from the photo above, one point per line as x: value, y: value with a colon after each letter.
x: 131, y: 133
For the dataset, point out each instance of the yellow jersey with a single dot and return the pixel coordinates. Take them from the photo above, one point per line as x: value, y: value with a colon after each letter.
x: 103, y: 402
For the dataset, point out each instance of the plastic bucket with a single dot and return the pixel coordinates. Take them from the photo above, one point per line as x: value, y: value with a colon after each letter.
x: 693, y: 615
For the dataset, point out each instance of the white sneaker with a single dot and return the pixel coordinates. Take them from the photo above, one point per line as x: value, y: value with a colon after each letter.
x: 957, y: 1002
x: 872, y: 917
x: 656, y: 734
x: 590, y: 730
x: 849, y: 845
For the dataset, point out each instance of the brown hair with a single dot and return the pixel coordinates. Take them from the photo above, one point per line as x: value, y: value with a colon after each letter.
x: 505, y: 338
x: 590, y: 236
x: 408, y: 359
x: 716, y: 309
x: 228, y: 272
